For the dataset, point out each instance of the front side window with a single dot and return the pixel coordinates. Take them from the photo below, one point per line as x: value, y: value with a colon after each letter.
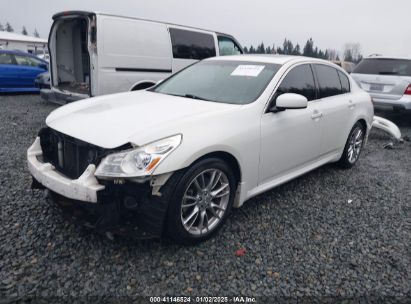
x: 384, y: 66
x: 236, y: 82
x: 5, y: 59
x: 299, y: 80
x: 192, y: 45
x: 27, y: 61
x: 328, y: 80
x: 227, y: 46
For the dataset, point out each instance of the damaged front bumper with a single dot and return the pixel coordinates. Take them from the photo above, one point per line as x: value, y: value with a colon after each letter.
x: 107, y: 205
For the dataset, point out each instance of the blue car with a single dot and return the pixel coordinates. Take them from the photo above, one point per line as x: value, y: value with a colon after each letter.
x: 18, y: 70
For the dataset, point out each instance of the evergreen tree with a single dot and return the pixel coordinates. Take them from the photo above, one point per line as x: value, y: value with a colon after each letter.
x: 36, y: 34
x: 9, y: 28
x: 297, y: 50
x: 261, y: 48
x: 245, y: 50
x: 308, y: 48
x: 1, y: 27
x: 252, y: 50
x: 24, y: 31
x: 279, y: 50
x: 320, y: 54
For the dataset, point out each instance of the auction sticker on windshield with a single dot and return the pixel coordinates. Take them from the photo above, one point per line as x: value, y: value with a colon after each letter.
x: 248, y: 70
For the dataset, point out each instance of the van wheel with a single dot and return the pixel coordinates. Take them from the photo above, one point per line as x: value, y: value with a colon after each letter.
x: 202, y: 201
x: 353, y: 147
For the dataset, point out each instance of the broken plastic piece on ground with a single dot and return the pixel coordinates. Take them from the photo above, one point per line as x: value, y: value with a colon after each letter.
x: 389, y: 146
x: 387, y: 126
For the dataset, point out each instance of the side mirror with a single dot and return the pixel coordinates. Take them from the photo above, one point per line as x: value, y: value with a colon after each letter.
x: 291, y: 101
x: 43, y: 66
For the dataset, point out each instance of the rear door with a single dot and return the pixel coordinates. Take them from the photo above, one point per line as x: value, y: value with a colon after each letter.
x: 189, y: 46
x: 335, y: 105
x: 383, y: 77
x: 8, y: 72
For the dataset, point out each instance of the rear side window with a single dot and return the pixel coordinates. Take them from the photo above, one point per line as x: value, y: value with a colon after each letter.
x: 328, y: 81
x: 299, y: 80
x: 192, y: 45
x: 227, y: 46
x: 345, y: 83
x: 384, y: 66
x: 5, y: 59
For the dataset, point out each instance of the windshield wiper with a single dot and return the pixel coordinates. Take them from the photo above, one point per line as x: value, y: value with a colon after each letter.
x: 192, y: 96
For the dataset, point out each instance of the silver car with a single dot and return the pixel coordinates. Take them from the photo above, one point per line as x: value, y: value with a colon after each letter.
x: 387, y: 80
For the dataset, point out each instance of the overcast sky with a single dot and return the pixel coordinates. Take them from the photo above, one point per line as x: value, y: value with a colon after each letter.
x: 380, y: 26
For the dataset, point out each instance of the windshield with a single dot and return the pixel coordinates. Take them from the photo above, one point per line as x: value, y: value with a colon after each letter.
x: 237, y: 82
x: 384, y: 66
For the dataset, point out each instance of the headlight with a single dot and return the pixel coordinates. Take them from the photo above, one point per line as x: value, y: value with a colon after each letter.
x: 137, y: 162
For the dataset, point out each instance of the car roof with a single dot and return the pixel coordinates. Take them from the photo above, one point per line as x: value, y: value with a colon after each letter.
x: 270, y: 58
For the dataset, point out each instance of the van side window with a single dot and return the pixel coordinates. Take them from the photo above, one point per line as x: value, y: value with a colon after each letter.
x: 345, y: 83
x: 192, y: 45
x: 328, y: 80
x: 299, y: 80
x: 227, y: 46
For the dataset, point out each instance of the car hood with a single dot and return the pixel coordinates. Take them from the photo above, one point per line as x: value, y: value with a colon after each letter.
x: 133, y: 117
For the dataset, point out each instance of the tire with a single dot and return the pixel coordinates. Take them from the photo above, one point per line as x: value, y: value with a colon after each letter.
x: 205, y: 210
x: 353, y: 146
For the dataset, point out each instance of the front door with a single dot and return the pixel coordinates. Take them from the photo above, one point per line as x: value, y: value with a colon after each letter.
x: 291, y: 138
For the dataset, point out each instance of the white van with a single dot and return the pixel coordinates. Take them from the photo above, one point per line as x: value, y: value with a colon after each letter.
x: 94, y: 54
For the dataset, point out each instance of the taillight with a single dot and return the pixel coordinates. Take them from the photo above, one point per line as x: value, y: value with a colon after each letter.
x: 408, y: 90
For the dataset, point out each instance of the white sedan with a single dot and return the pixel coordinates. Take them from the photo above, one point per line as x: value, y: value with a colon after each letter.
x: 177, y: 157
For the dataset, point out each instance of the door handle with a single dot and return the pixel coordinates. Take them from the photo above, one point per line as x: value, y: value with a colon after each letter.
x: 351, y: 104
x: 316, y: 115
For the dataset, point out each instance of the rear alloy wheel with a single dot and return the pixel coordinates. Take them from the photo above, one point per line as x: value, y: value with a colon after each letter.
x: 203, y: 200
x: 353, y: 147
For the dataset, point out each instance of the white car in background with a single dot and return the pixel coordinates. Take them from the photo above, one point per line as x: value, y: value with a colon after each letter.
x: 177, y: 157
x: 387, y: 80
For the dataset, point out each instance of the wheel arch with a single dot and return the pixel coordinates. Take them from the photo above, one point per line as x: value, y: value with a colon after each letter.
x: 224, y: 156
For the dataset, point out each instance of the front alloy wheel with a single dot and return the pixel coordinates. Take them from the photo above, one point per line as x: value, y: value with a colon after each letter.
x: 205, y: 201
x: 202, y: 201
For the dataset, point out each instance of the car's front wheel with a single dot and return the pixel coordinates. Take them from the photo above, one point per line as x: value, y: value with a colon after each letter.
x: 202, y: 201
x: 353, y: 146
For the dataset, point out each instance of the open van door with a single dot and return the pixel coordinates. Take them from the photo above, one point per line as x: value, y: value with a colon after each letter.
x: 73, y: 55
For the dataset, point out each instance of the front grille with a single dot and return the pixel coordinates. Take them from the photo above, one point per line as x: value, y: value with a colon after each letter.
x: 70, y: 156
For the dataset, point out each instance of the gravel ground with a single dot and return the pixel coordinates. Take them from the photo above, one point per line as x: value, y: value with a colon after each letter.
x: 331, y: 233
